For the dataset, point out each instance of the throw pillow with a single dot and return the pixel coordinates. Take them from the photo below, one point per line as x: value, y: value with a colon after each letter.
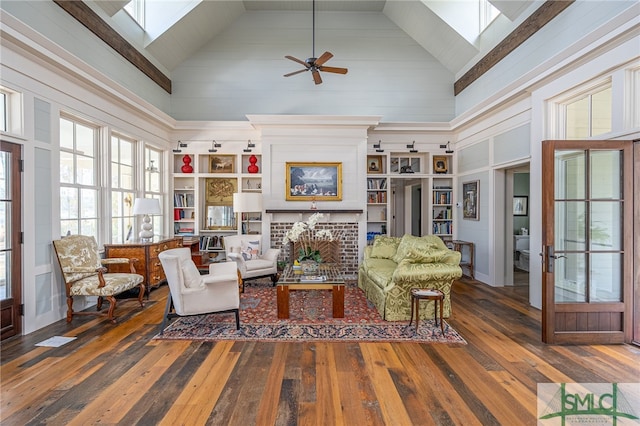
x: 250, y: 250
x: 432, y: 255
x: 384, y: 247
x: 411, y: 241
x: 190, y: 273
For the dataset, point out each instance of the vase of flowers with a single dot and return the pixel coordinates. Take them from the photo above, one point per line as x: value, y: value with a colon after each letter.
x: 309, y: 239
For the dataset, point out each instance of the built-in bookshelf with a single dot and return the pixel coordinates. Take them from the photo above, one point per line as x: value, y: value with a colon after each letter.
x: 442, y: 207
x: 203, y: 187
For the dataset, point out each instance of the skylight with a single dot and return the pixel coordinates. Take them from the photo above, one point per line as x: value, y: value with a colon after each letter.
x: 468, y: 17
x: 135, y: 8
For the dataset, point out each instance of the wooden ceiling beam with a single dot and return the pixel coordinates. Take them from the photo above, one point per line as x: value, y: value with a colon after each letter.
x: 538, y: 19
x: 87, y: 17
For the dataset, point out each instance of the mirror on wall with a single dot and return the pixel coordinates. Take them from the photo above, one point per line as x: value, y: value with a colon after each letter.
x: 218, y: 212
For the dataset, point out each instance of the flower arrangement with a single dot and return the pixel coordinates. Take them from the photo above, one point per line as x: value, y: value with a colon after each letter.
x: 309, y: 237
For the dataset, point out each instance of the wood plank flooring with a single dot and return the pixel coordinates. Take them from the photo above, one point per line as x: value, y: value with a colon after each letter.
x: 119, y: 375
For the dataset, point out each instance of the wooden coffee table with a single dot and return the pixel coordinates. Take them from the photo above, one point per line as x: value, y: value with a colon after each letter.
x: 291, y: 279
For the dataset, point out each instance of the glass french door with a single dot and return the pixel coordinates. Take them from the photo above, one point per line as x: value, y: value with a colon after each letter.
x: 10, y: 248
x: 587, y: 253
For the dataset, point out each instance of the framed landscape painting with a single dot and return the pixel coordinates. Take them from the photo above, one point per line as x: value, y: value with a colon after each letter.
x: 313, y: 181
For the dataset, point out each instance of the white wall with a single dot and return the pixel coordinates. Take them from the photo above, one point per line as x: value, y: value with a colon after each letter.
x: 241, y: 71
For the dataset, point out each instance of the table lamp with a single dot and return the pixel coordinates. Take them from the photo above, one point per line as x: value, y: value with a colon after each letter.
x: 245, y: 202
x: 146, y: 207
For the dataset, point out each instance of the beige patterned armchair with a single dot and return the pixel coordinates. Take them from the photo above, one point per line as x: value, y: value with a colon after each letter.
x: 84, y: 274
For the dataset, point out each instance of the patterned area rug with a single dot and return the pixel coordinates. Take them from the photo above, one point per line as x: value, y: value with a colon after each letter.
x: 310, y: 320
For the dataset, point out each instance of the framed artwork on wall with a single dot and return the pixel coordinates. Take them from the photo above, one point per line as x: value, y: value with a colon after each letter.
x: 520, y: 205
x: 313, y: 181
x: 440, y: 164
x: 374, y: 164
x: 471, y: 200
x: 221, y: 163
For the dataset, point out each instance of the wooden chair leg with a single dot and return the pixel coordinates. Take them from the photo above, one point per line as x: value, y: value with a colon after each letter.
x: 274, y: 279
x: 166, y: 313
x: 99, y: 304
x: 112, y: 308
x: 237, y: 311
x: 141, y: 293
x: 69, y: 308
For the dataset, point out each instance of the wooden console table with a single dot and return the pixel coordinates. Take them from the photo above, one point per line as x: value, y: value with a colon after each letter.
x: 466, y: 261
x: 146, y: 252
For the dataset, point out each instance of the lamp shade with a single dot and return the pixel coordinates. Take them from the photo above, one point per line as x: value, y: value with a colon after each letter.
x: 247, y: 202
x: 146, y: 206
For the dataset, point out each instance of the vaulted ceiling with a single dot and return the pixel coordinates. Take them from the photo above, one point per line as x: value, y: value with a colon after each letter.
x: 182, y: 28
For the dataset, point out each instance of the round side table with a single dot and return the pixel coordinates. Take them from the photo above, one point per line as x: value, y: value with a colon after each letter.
x: 418, y: 294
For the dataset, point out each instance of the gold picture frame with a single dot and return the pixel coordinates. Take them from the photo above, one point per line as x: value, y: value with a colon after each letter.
x: 221, y: 163
x: 313, y: 182
x: 374, y: 164
x: 440, y: 164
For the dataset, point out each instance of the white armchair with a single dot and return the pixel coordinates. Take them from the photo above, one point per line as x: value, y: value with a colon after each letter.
x: 252, y: 261
x: 193, y: 294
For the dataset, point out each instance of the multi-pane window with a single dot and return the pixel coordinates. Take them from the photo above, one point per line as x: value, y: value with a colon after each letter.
x: 78, y: 178
x: 588, y: 114
x: 122, y: 188
x: 153, y: 182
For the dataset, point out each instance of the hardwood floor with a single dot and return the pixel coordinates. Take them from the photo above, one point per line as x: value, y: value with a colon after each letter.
x: 119, y: 375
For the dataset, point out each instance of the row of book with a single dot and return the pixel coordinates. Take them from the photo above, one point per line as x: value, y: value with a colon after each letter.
x: 376, y: 197
x: 441, y: 197
x: 442, y: 213
x: 211, y: 242
x: 179, y: 214
x: 183, y: 200
x: 376, y: 184
x: 440, y: 228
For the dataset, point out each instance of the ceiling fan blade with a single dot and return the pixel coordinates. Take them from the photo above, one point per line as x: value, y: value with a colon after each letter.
x: 298, y: 61
x: 316, y: 76
x: 334, y: 70
x: 324, y: 58
x: 295, y: 72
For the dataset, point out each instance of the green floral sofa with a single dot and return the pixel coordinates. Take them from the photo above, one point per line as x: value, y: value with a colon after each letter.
x: 392, y: 266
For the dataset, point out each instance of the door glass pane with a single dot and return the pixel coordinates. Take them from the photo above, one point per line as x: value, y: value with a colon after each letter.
x: 5, y: 225
x: 570, y: 280
x: 569, y: 226
x: 606, y: 277
x: 605, y: 175
x: 605, y: 232
x: 569, y: 175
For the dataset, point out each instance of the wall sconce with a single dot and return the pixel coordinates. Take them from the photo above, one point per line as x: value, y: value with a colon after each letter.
x: 447, y: 147
x: 180, y: 145
x: 214, y: 145
x: 378, y: 146
x: 412, y: 147
x: 249, y: 146
x: 152, y: 167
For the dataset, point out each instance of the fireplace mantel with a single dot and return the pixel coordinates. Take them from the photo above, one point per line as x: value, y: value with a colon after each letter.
x: 330, y: 211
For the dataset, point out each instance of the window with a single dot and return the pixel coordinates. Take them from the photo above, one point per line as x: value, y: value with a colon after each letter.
x: 487, y: 14
x: 588, y: 114
x: 135, y: 8
x: 78, y: 178
x: 122, y: 186
x: 153, y: 182
x: 10, y: 111
x: 3, y: 111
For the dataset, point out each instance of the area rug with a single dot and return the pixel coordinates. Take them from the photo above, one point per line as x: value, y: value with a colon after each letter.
x: 310, y: 320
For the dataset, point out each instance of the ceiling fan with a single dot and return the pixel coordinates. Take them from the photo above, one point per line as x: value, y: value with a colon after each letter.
x: 313, y: 64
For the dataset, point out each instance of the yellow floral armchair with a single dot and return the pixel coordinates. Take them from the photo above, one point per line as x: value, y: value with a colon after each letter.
x: 85, y: 274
